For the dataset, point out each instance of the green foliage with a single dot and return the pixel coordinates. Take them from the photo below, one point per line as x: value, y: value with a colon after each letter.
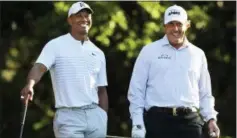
x: 120, y: 29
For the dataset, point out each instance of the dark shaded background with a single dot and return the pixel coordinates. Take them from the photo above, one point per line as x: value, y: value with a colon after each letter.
x: 120, y: 29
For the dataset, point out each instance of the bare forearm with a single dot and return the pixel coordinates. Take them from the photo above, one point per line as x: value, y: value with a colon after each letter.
x: 103, y: 98
x: 35, y: 74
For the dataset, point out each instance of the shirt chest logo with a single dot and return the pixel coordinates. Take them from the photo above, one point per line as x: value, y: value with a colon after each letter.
x: 93, y: 54
x: 164, y: 56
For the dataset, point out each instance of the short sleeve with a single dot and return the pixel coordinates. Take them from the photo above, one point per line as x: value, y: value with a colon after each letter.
x: 47, y: 55
x: 102, y: 76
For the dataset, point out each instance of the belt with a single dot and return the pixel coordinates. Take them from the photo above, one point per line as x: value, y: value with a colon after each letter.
x: 90, y: 106
x: 84, y: 107
x: 175, y: 111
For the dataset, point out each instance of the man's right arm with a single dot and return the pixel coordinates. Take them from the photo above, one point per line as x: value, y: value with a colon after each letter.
x: 44, y: 62
x: 34, y: 76
x: 137, y: 88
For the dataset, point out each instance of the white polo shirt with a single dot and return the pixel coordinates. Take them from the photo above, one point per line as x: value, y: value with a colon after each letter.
x: 168, y: 77
x: 76, y: 70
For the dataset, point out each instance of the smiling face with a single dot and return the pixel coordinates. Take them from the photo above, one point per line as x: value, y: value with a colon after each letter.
x: 175, y: 32
x: 80, y: 22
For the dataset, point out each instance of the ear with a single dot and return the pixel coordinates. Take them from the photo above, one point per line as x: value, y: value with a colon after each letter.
x: 69, y: 20
x: 188, y: 24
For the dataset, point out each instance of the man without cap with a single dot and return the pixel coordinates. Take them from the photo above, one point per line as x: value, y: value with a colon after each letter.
x: 171, y: 81
x: 78, y: 72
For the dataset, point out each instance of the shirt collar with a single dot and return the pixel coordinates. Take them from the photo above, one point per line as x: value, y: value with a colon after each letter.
x: 77, y: 41
x: 165, y: 42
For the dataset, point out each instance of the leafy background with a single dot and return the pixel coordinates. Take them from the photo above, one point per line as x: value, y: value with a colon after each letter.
x: 120, y: 29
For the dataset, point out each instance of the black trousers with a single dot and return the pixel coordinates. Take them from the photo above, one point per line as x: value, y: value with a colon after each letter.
x: 165, y: 125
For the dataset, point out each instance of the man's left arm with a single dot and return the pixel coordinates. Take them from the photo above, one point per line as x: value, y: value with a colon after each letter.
x: 101, y: 84
x: 207, y: 101
x: 103, y: 98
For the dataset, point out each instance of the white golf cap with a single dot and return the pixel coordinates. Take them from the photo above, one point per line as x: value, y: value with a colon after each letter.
x: 78, y: 6
x: 175, y: 13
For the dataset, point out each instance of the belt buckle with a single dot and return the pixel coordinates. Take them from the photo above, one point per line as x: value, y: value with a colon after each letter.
x: 174, y: 111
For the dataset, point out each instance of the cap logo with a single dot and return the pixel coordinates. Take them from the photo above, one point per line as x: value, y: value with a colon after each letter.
x: 82, y: 4
x: 174, y: 12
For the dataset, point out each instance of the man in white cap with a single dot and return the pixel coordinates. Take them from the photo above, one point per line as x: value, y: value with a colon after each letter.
x: 171, y: 82
x: 78, y: 73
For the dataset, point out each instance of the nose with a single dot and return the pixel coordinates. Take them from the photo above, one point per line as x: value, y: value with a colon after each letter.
x: 81, y: 19
x: 176, y: 28
x: 84, y: 18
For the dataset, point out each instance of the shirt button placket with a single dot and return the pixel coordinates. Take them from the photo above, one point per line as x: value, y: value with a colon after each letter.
x: 175, y: 67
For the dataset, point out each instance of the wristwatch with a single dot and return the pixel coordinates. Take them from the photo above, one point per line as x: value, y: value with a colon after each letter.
x: 138, y: 126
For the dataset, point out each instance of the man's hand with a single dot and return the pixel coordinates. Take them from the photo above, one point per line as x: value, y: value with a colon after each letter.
x: 138, y: 131
x: 34, y: 77
x: 214, y: 130
x: 27, y: 94
x: 103, y: 98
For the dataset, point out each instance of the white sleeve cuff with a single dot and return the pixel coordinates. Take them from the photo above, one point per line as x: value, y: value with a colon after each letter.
x: 210, y: 117
x: 138, y: 120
